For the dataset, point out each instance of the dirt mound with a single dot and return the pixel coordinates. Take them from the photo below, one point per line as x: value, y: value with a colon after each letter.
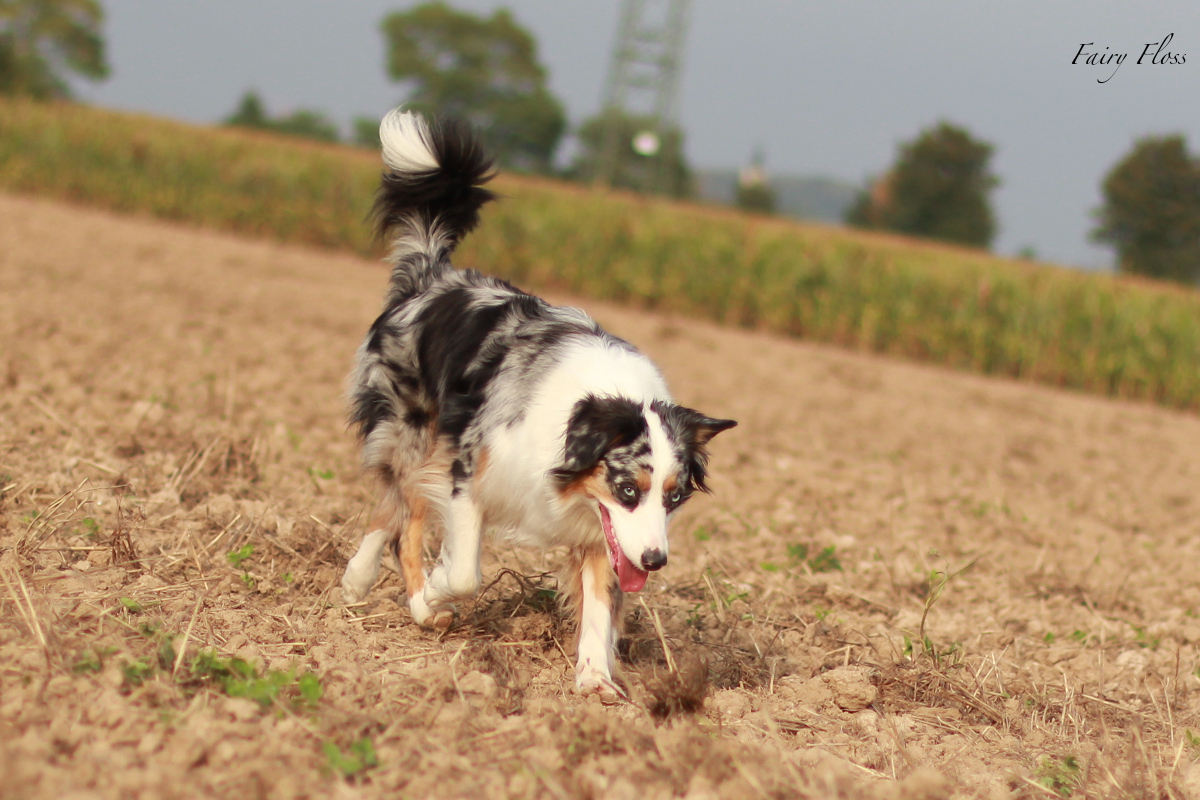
x: 908, y: 582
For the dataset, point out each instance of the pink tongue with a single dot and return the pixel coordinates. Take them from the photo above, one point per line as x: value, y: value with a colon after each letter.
x: 630, y: 577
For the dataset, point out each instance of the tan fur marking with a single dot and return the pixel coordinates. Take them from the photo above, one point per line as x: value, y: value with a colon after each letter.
x: 671, y: 483
x: 481, y: 465
x: 598, y: 572
x: 589, y: 568
x: 412, y: 543
x: 384, y: 517
x: 591, y: 485
x: 643, y: 481
x: 572, y: 588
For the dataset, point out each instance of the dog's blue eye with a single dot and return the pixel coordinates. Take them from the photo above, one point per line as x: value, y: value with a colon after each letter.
x: 629, y: 491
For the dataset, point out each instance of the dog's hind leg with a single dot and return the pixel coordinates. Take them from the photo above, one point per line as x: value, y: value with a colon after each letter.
x: 363, y: 570
x: 457, y: 573
x: 412, y: 543
x: 595, y: 599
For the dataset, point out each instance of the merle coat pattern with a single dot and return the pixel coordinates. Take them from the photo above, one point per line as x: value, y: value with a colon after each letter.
x: 482, y: 408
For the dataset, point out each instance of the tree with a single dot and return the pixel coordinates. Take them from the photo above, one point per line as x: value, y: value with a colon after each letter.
x: 485, y: 71
x: 366, y: 132
x: 307, y: 124
x: 43, y: 40
x: 938, y: 188
x: 642, y: 155
x: 1151, y: 211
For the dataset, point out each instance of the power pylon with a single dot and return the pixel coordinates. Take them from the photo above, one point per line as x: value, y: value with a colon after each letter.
x: 643, y: 80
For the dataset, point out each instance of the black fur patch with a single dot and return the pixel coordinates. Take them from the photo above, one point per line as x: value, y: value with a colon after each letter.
x: 597, y: 425
x: 690, y: 431
x: 369, y: 409
x: 453, y: 193
x: 458, y: 354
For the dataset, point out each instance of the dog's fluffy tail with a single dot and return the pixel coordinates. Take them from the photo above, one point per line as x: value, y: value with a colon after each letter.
x: 430, y: 194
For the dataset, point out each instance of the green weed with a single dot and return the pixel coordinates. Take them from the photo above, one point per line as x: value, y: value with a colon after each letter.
x: 131, y: 605
x: 237, y: 557
x: 360, y: 756
x: 166, y: 652
x: 825, y: 560
x: 136, y: 672
x: 1060, y: 775
x: 91, y: 660
x: 1143, y: 639
x: 237, y: 677
x: 310, y: 688
x: 934, y: 585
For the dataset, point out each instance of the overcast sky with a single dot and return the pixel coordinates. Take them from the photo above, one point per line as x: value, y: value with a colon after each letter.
x: 825, y: 88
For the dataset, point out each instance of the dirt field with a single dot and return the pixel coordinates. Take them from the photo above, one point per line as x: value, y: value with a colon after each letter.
x: 176, y: 476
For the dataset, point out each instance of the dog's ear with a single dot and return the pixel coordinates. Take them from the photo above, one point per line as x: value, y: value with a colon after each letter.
x: 701, y: 427
x: 693, y: 431
x: 597, y: 425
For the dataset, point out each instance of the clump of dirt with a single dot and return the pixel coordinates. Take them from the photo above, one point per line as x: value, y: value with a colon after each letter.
x: 678, y: 689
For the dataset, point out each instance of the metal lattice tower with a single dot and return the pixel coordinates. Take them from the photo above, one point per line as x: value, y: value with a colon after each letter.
x: 643, y: 80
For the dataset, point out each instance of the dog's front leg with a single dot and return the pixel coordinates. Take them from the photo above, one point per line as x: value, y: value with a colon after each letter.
x: 457, y: 572
x: 598, y: 612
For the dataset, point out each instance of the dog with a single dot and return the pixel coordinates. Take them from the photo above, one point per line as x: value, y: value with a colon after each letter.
x: 480, y: 407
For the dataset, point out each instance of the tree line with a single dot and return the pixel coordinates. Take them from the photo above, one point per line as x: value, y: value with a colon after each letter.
x: 487, y: 70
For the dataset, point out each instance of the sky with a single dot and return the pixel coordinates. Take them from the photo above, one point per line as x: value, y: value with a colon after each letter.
x: 824, y: 88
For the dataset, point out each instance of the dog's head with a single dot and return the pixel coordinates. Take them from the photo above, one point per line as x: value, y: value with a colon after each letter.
x: 638, y: 463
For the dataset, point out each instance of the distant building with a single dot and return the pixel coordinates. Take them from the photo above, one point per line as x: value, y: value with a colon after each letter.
x: 754, y: 191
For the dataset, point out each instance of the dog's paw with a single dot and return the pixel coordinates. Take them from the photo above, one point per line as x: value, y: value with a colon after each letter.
x: 356, y: 585
x: 438, y: 619
x: 589, y: 681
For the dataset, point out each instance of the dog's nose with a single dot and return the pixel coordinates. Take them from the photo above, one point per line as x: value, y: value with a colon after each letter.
x: 653, y: 559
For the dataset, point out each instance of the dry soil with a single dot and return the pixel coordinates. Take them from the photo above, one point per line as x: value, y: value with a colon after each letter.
x: 908, y: 582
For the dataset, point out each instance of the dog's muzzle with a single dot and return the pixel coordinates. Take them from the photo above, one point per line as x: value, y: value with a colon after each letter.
x: 653, y: 559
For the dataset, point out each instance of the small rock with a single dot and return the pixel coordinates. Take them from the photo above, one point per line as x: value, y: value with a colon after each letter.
x: 241, y: 708
x: 1191, y: 782
x: 851, y: 687
x: 225, y: 752
x: 479, y: 683
x: 701, y: 788
x: 149, y: 743
x: 814, y: 692
x: 925, y: 783
x: 1132, y: 660
x: 731, y: 703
